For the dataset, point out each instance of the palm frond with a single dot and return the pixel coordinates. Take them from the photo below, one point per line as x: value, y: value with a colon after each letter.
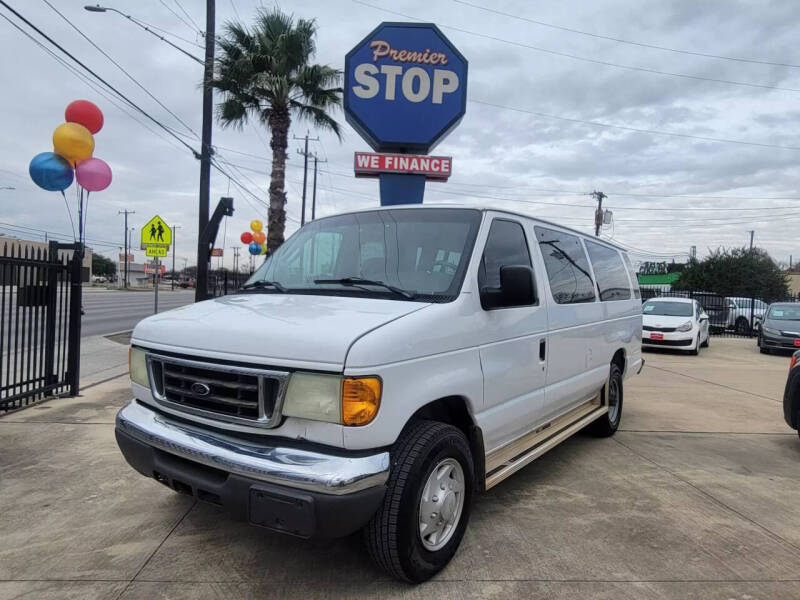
x: 317, y: 116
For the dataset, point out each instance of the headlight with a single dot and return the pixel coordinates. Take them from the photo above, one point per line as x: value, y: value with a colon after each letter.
x: 770, y: 331
x: 137, y: 365
x: 344, y: 400
x: 685, y: 327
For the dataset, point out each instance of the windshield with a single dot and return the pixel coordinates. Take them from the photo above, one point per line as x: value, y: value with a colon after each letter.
x: 424, y: 252
x: 784, y: 313
x: 668, y: 309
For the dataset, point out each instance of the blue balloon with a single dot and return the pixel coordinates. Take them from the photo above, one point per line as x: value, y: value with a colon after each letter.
x: 51, y: 172
x: 254, y: 248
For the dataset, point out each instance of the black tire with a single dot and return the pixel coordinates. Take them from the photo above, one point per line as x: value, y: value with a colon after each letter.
x: 696, y: 349
x: 392, y: 536
x: 742, y: 326
x: 607, y: 425
x: 763, y: 350
x: 707, y: 343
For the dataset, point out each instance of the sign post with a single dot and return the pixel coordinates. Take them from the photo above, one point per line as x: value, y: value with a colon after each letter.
x: 156, y: 240
x: 405, y: 90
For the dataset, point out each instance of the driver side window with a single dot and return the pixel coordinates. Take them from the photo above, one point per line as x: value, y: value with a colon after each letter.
x: 506, y: 245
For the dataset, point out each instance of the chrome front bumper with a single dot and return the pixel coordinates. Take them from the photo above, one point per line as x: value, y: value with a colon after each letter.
x: 291, y: 467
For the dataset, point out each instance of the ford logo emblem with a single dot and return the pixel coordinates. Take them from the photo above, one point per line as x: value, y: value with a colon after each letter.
x: 200, y: 389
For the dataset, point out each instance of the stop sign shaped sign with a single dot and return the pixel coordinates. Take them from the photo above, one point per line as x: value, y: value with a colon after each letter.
x: 405, y: 87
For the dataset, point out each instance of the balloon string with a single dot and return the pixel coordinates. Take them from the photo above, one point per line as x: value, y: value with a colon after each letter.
x: 71, y: 222
x: 85, y: 215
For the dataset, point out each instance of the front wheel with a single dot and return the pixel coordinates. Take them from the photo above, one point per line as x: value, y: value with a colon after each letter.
x: 607, y: 425
x: 425, y: 512
x: 696, y: 349
x: 707, y: 343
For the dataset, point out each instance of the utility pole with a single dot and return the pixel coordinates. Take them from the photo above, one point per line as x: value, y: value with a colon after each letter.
x: 126, y: 212
x: 314, y: 195
x: 598, y: 215
x: 174, y: 240
x: 201, y: 287
x: 305, y: 155
x: 752, y: 233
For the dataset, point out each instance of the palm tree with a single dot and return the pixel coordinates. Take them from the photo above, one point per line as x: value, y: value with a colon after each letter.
x: 264, y: 73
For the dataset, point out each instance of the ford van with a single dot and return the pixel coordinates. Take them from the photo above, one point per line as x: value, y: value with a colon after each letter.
x: 380, y: 369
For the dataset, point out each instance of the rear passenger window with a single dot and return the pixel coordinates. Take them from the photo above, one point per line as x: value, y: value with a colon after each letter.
x: 634, y: 279
x: 612, y: 279
x: 506, y: 245
x: 567, y: 266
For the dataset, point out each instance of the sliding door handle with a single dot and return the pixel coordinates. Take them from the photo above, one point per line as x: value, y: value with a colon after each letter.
x: 542, y: 350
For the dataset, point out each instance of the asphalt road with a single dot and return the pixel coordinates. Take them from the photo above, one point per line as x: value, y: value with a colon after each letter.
x: 107, y: 312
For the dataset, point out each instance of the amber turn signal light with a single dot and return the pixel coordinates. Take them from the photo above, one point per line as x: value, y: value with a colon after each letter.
x: 361, y: 398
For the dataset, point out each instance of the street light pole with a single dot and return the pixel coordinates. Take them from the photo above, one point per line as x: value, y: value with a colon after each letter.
x: 101, y: 9
x: 201, y: 287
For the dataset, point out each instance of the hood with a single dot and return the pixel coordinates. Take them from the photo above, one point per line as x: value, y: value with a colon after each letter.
x: 663, y: 321
x: 277, y: 329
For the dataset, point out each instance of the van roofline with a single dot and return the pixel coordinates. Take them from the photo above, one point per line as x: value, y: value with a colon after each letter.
x: 483, y: 209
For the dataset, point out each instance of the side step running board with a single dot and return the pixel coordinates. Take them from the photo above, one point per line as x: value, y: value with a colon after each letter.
x: 515, y: 464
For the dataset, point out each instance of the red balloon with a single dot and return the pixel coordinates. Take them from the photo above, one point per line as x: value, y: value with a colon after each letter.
x: 246, y: 237
x: 84, y: 113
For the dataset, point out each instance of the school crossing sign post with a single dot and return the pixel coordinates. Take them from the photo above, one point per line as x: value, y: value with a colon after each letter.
x: 156, y: 240
x: 405, y: 90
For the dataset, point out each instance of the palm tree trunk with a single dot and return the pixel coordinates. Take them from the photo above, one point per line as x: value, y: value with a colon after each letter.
x: 279, y: 122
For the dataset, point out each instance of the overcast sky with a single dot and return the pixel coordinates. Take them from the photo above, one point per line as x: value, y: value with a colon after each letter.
x: 507, y: 157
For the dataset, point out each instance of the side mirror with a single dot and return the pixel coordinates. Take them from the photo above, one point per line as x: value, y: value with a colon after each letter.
x: 516, y: 289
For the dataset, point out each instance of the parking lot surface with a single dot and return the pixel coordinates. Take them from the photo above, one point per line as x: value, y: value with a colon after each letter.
x: 695, y: 497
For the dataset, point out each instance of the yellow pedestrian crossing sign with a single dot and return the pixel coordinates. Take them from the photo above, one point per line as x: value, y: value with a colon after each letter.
x: 156, y: 233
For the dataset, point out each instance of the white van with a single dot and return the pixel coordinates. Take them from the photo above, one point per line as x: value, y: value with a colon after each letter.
x: 380, y: 368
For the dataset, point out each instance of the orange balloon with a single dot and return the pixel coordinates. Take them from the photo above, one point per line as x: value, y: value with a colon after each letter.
x: 259, y: 237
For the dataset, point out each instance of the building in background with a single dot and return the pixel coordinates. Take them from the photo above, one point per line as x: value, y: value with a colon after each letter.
x: 19, y: 246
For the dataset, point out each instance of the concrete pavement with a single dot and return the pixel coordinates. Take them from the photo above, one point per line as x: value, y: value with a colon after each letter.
x: 696, y: 497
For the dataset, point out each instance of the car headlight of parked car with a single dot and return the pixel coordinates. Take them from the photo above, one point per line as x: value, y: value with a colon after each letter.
x: 137, y: 365
x: 343, y: 400
x: 770, y: 331
x: 685, y: 327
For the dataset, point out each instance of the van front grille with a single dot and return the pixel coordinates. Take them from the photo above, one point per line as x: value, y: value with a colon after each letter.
x: 228, y: 393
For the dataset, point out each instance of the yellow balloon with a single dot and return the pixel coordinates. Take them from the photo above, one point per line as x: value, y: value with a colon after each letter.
x: 73, y: 141
x: 256, y: 225
x: 264, y: 248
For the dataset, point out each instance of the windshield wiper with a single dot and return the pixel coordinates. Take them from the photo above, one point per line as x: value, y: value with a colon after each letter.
x: 361, y: 281
x: 262, y: 283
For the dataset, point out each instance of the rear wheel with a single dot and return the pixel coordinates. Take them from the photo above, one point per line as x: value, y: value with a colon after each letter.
x: 424, y: 514
x: 742, y: 326
x: 607, y: 425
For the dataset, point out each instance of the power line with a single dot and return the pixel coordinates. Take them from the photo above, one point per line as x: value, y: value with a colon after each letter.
x: 635, y: 129
x: 180, y: 18
x: 583, y: 58
x: 140, y: 22
x: 622, y: 41
x: 121, y: 68
x: 188, y: 16
x: 96, y: 76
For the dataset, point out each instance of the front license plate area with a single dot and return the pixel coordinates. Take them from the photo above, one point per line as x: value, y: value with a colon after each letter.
x: 656, y: 336
x: 288, y: 513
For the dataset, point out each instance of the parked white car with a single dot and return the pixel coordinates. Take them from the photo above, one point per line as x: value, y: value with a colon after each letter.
x: 739, y: 310
x: 380, y: 368
x: 679, y: 323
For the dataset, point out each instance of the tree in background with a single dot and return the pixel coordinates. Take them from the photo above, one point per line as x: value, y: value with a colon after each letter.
x: 736, y: 272
x: 264, y: 73
x: 105, y: 267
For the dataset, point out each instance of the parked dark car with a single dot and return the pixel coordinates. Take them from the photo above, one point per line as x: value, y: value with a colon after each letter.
x: 780, y: 329
x: 791, y: 396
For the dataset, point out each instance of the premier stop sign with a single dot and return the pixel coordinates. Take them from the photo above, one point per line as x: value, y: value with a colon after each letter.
x: 405, y: 87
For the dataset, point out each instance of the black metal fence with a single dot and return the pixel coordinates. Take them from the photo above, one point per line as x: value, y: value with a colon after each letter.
x: 728, y: 315
x: 40, y: 306
x: 222, y: 283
